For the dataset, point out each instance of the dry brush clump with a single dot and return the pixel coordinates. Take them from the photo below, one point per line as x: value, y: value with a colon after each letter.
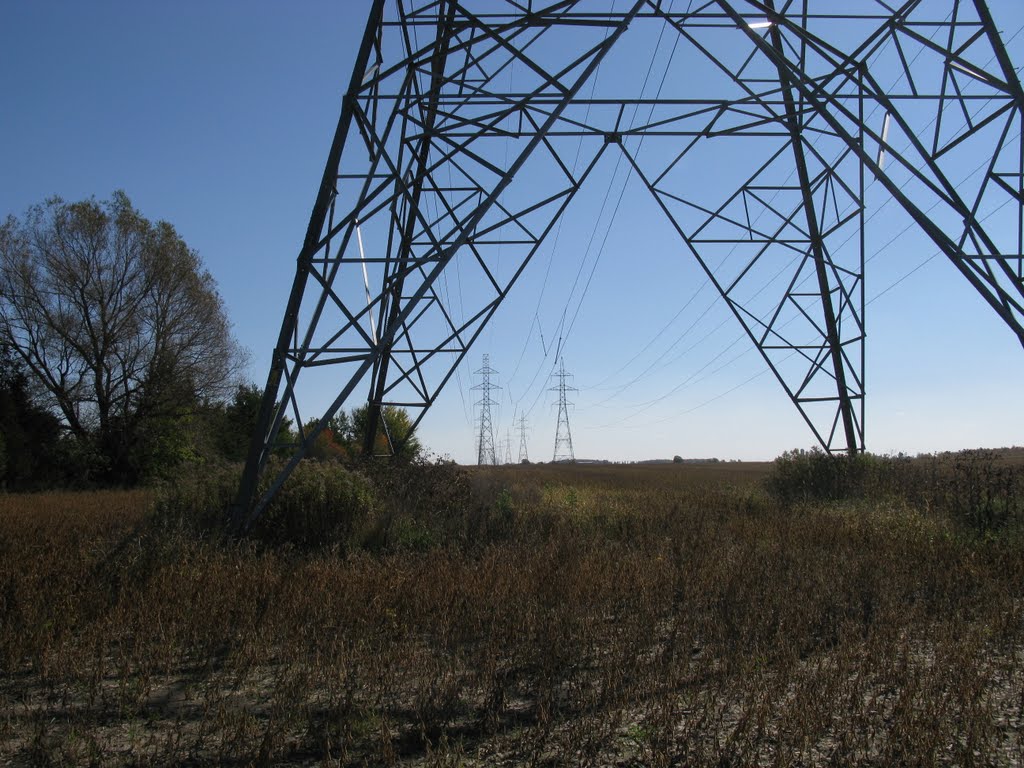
x: 527, y: 615
x: 981, y: 489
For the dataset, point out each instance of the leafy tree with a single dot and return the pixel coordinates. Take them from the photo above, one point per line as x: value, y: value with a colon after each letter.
x: 30, y: 436
x: 118, y: 323
x: 343, y: 437
x: 233, y: 430
x: 327, y: 446
x: 343, y: 429
x: 398, y: 425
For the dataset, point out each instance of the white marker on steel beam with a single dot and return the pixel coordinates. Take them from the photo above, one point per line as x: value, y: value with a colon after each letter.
x: 366, y: 282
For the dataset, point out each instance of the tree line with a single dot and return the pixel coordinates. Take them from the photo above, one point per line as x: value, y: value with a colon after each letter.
x: 117, y: 362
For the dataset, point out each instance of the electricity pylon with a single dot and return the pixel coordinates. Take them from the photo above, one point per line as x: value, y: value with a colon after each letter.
x: 507, y: 453
x: 469, y: 127
x: 524, y: 454
x: 563, y: 435
x: 485, y: 452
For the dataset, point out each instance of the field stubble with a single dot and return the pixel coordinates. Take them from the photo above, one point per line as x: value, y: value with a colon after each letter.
x: 540, y: 616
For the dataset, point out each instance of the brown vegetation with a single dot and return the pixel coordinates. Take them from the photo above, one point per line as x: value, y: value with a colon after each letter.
x: 672, y: 615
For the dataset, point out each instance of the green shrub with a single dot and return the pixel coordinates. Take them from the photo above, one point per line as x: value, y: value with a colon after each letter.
x: 983, y: 492
x: 978, y: 489
x: 321, y: 504
x: 199, y: 502
x: 801, y: 475
x: 422, y: 504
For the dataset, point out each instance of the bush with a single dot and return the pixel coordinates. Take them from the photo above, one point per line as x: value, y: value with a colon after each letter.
x: 984, y: 492
x: 815, y: 475
x: 380, y: 506
x: 198, y: 503
x: 422, y: 504
x: 978, y: 489
x: 321, y: 504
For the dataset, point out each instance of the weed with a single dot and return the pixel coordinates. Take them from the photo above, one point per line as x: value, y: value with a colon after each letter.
x: 431, y: 615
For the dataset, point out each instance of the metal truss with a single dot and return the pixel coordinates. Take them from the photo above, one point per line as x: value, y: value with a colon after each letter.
x: 469, y: 127
x: 485, y: 451
x: 563, y: 435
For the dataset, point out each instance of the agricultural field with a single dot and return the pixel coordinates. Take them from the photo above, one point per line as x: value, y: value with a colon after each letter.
x: 807, y: 612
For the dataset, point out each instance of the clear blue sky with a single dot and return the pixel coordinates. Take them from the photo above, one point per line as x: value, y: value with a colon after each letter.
x: 217, y: 117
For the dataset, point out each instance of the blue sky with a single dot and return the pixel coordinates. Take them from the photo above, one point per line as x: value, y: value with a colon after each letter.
x: 217, y: 117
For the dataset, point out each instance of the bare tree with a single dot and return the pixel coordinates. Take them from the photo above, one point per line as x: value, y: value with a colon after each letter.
x: 116, y: 319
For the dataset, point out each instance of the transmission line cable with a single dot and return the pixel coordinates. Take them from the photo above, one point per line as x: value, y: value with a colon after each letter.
x: 558, y: 229
x: 689, y: 381
x: 661, y: 363
x: 706, y: 282
x: 562, y: 336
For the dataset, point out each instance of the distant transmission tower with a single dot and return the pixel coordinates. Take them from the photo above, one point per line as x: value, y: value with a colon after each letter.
x: 485, y: 434
x: 523, y: 454
x: 508, y: 447
x: 563, y: 436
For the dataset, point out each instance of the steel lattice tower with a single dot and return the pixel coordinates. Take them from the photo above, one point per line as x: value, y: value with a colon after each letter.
x: 485, y: 452
x: 524, y: 454
x: 563, y: 435
x: 469, y: 126
x: 507, y: 453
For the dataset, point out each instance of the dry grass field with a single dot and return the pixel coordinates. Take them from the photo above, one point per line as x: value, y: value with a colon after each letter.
x: 551, y: 615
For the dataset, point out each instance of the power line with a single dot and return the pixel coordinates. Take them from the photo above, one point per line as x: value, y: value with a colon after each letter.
x: 877, y: 252
x: 757, y: 218
x: 629, y: 172
x: 558, y: 234
x: 561, y: 324
x: 661, y: 362
x: 758, y: 375
x: 691, y: 379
